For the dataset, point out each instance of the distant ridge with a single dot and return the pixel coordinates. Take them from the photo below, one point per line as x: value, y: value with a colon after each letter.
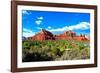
x: 23, y: 38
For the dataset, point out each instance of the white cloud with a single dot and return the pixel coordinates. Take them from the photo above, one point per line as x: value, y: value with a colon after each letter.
x: 81, y: 26
x: 38, y: 22
x: 28, y: 32
x: 40, y: 18
x: 25, y: 12
x: 49, y: 27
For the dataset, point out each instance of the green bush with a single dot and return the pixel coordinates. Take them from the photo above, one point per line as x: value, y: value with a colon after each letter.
x: 51, y: 50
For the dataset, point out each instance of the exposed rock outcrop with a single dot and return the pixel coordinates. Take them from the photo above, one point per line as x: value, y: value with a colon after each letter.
x: 68, y: 35
x: 43, y: 35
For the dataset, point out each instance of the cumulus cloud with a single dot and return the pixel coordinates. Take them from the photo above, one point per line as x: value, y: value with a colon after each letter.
x: 28, y: 32
x: 49, y: 27
x: 81, y: 26
x: 40, y: 18
x: 38, y: 22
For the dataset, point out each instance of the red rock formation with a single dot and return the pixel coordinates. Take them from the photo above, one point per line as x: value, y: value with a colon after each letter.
x: 43, y: 35
x: 81, y: 38
x: 68, y: 35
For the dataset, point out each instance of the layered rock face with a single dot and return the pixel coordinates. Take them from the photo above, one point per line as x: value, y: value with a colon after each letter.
x: 68, y: 35
x: 81, y: 38
x: 43, y: 35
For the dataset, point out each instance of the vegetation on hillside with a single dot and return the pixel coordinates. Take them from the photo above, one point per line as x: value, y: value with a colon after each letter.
x: 55, y: 50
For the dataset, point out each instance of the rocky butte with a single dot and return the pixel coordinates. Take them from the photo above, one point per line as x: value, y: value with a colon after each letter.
x: 68, y: 35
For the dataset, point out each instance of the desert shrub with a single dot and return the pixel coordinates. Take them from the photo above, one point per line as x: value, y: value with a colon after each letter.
x: 71, y: 54
x: 26, y: 45
x: 85, y: 53
x: 50, y: 50
x: 81, y: 47
x: 37, y: 54
x: 36, y: 57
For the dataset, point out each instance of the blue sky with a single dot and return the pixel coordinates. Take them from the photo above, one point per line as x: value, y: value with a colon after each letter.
x: 55, y: 22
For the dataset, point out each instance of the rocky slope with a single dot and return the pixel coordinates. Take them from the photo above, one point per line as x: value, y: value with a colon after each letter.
x: 68, y: 35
